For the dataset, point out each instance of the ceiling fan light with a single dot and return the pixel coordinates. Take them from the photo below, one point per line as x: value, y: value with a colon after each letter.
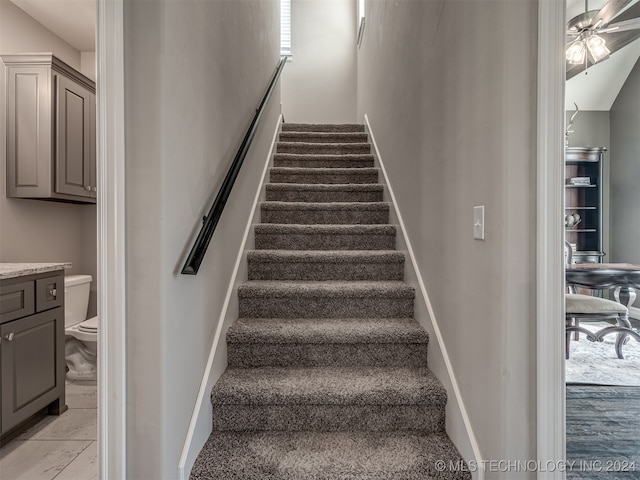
x: 597, y: 48
x: 576, y: 53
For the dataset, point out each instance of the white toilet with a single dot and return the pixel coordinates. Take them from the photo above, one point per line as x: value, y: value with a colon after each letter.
x: 82, y: 334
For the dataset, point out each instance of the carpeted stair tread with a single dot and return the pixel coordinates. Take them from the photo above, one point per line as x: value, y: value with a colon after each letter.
x: 336, y: 206
x: 323, y: 161
x: 325, y: 342
x: 293, y: 229
x: 323, y: 148
x: 325, y: 265
x: 323, y: 187
x: 323, y: 171
x: 325, y: 237
x: 322, y: 256
x: 327, y: 331
x: 328, y: 386
x: 329, y: 299
x: 323, y: 137
x: 313, y: 213
x: 321, y: 175
x: 322, y: 127
x: 328, y: 456
x: 328, y: 289
x: 317, y: 192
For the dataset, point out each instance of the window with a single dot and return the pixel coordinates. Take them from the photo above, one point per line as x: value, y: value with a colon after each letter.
x: 285, y: 27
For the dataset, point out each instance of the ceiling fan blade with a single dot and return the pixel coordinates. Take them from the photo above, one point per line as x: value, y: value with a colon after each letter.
x: 630, y: 13
x: 618, y: 39
x: 623, y: 26
x: 609, y: 11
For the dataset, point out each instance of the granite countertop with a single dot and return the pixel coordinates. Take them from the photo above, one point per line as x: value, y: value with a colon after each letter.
x: 12, y: 270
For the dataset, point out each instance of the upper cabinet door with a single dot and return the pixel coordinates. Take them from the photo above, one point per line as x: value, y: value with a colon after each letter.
x: 29, y: 140
x: 74, y: 138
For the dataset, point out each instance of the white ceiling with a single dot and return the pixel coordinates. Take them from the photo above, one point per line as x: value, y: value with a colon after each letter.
x: 598, y: 88
x: 72, y: 20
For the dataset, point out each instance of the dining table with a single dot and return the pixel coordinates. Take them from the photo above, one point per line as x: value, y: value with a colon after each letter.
x: 623, y: 278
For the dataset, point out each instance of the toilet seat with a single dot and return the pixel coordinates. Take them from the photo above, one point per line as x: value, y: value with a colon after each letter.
x: 86, y: 331
x: 89, y: 326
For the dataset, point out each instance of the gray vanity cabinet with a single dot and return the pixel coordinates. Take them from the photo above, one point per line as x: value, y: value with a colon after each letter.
x: 51, y: 124
x: 32, y: 364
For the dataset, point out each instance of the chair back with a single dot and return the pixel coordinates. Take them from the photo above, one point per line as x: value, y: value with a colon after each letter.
x: 568, y: 260
x: 568, y: 253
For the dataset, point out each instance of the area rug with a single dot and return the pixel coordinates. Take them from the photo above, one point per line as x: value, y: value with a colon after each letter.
x: 596, y: 363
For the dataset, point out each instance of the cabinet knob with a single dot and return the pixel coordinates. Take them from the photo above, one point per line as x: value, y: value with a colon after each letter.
x: 87, y: 188
x: 53, y: 292
x: 94, y: 189
x: 9, y: 337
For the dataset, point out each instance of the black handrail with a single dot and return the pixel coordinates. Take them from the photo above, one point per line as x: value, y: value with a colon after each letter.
x: 196, y: 255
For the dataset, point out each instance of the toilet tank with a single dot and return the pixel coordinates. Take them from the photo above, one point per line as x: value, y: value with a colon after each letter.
x: 76, y: 298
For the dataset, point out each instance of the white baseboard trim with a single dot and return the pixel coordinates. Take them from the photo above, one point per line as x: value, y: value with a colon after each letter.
x: 200, y: 426
x: 459, y: 426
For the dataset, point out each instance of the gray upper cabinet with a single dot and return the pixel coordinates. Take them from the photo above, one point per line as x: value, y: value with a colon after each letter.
x: 51, y: 151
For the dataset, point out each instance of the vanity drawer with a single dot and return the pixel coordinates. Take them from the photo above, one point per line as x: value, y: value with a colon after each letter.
x: 49, y: 292
x: 16, y: 301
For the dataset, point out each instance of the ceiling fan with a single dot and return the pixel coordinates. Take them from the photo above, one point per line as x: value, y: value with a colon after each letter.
x: 593, y: 35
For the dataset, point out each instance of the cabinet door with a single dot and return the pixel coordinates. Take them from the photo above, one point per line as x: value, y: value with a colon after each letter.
x: 29, y: 127
x: 32, y: 365
x: 73, y: 134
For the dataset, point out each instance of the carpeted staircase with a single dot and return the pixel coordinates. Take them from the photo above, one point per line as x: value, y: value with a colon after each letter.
x: 327, y: 375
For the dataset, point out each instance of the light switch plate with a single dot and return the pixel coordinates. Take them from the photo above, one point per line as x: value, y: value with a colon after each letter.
x: 478, y: 222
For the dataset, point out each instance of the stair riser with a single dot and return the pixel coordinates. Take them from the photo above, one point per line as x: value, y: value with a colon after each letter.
x: 323, y: 148
x: 324, y: 178
x: 290, y: 241
x: 325, y: 271
x: 325, y: 217
x: 246, y: 355
x: 328, y: 418
x: 314, y: 162
x: 326, y: 307
x: 312, y: 137
x: 297, y: 127
x: 323, y: 196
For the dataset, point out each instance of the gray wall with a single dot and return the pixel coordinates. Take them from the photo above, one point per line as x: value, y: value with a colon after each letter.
x: 591, y: 129
x: 450, y: 91
x: 36, y: 230
x: 319, y: 83
x: 194, y: 73
x: 625, y: 172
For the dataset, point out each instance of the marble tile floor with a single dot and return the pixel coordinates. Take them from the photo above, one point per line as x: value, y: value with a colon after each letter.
x: 59, y: 447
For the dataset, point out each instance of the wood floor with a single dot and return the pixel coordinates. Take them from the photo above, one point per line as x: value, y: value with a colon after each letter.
x: 603, y: 432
